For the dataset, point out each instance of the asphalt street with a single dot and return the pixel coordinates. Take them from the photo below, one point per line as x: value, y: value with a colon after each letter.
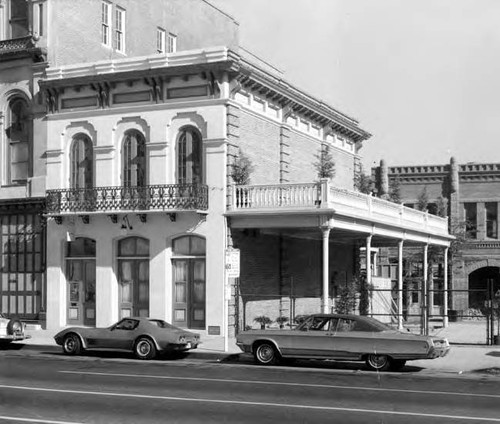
x: 114, y: 388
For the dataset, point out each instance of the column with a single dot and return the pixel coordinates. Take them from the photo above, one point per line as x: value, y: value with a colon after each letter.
x: 445, y: 288
x: 326, y: 259
x: 400, y: 284
x: 425, y: 329
x: 369, y: 266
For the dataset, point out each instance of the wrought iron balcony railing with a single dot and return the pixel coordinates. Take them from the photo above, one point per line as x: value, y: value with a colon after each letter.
x: 170, y: 197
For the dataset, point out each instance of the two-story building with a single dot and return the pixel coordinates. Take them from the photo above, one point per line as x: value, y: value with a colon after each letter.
x: 140, y: 209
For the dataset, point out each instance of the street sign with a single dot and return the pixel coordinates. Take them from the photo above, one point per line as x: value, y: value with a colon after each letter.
x: 232, y: 263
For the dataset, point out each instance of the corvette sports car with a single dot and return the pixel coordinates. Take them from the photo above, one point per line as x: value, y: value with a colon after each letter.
x: 342, y: 337
x: 145, y: 337
x: 11, y: 329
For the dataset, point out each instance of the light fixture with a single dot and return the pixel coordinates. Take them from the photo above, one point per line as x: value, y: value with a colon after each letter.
x: 126, y: 224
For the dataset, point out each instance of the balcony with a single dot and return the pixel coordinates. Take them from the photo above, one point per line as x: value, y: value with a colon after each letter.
x: 20, y: 47
x: 323, y: 198
x: 169, y: 198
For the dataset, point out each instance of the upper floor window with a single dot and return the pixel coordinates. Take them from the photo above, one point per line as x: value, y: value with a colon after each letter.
x: 134, y: 159
x: 18, y: 19
x: 81, y: 162
x: 189, y: 157
x: 171, y: 43
x: 491, y: 209
x: 160, y: 40
x: 120, y: 30
x: 470, y: 215
x: 18, y: 150
x: 106, y: 23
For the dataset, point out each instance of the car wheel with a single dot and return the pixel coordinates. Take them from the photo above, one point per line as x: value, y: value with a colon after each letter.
x: 378, y: 362
x: 397, y: 364
x: 144, y: 348
x: 14, y: 326
x: 72, y: 345
x: 265, y: 354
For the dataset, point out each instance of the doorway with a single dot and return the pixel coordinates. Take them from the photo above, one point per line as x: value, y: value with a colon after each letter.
x: 81, y: 279
x: 189, y: 285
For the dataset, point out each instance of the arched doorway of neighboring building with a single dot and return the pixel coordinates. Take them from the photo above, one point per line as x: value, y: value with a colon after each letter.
x: 482, y: 283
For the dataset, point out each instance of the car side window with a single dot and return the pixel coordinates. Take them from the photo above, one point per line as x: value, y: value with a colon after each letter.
x: 319, y: 324
x: 127, y: 324
x: 345, y: 325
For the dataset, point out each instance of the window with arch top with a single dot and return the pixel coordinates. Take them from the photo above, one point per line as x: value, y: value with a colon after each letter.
x: 134, y: 159
x: 189, y: 157
x: 81, y: 162
x: 18, y: 130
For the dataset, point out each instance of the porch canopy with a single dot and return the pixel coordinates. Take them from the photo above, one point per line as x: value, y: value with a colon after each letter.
x: 321, y: 211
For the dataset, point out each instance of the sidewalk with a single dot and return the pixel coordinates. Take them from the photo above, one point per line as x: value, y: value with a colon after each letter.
x: 460, y: 359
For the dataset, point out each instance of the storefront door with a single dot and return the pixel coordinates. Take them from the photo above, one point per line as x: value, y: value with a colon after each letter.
x: 80, y: 275
x: 189, y: 293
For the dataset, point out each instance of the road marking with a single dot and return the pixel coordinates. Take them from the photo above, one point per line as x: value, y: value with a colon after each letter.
x: 35, y: 420
x: 246, y: 403
x: 277, y: 383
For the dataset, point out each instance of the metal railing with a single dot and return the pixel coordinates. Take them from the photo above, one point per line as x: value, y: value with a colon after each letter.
x: 169, y: 197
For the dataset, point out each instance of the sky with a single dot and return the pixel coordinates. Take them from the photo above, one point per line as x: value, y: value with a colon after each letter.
x: 422, y: 76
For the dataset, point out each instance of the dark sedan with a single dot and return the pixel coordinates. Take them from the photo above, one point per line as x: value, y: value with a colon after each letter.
x: 145, y: 337
x: 342, y: 337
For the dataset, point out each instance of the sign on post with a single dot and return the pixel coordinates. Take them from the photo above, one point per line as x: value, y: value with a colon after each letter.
x: 232, y: 263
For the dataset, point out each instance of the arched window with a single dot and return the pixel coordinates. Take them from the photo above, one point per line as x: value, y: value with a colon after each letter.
x: 189, y: 157
x: 81, y: 162
x: 134, y: 159
x: 19, y: 133
x: 18, y: 18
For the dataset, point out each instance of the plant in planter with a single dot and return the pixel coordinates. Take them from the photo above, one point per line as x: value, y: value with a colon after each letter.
x: 282, y: 321
x: 263, y: 320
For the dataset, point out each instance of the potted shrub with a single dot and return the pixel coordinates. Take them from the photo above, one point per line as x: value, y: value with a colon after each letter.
x: 282, y: 321
x: 263, y: 320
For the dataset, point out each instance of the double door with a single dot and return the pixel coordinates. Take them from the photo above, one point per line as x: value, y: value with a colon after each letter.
x: 134, y: 287
x: 189, y: 293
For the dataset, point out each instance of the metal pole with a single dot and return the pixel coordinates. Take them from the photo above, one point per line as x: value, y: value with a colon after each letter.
x: 425, y: 294
x: 445, y: 288
x: 400, y: 284
x: 369, y: 267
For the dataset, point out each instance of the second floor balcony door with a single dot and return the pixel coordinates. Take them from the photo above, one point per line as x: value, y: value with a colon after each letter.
x: 134, y: 171
x: 82, y: 178
x: 189, y: 157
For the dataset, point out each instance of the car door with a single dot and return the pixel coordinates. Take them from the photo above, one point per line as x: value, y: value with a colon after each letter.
x: 119, y: 336
x: 313, y: 339
x: 348, y: 338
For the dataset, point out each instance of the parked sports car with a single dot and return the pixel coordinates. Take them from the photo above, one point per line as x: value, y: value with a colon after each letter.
x: 146, y: 337
x: 342, y: 337
x: 11, y: 329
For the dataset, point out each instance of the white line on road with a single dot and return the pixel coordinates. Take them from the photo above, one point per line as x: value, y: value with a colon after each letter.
x: 277, y: 383
x: 245, y: 403
x: 35, y: 420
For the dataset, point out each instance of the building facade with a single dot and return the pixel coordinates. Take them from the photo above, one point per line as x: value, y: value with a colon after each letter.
x: 136, y: 147
x: 468, y: 194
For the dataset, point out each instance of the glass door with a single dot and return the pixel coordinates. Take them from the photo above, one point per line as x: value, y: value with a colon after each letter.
x: 134, y: 287
x: 80, y: 275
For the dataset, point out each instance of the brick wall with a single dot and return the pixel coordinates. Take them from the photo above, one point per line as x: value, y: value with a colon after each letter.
x: 75, y: 28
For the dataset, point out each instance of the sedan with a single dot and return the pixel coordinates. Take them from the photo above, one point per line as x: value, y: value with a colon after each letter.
x: 344, y: 338
x: 145, y: 337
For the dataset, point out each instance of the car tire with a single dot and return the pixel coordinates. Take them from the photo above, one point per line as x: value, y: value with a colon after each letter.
x: 14, y: 326
x: 378, y: 362
x: 397, y: 364
x: 266, y: 354
x: 144, y: 348
x: 72, y: 344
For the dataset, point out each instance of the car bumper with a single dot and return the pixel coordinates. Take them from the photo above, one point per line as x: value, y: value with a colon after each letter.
x: 438, y: 352
x: 14, y: 337
x: 180, y: 347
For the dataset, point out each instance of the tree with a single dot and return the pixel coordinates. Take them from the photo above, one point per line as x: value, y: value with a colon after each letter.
x: 324, y: 165
x: 241, y: 169
x: 395, y: 191
x: 362, y: 182
x: 441, y: 207
x: 423, y: 200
